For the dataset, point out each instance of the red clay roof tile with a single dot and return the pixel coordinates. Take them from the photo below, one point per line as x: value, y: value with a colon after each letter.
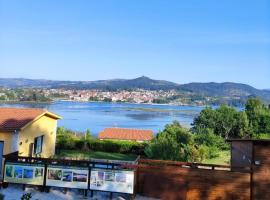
x: 15, y: 118
x: 126, y: 134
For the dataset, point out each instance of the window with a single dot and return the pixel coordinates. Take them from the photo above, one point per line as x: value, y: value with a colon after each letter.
x: 38, y: 144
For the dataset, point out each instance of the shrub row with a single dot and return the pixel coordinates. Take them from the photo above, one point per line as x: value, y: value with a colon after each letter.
x: 73, y: 143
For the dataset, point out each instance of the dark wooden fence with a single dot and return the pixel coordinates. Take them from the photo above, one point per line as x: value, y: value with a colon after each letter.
x: 178, y: 180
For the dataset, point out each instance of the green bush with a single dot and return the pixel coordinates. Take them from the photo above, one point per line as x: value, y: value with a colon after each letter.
x: 66, y: 139
x: 208, y: 138
x: 116, y: 146
x: 208, y: 152
x: 262, y: 136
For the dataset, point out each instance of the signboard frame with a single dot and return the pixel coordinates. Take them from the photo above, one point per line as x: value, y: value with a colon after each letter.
x: 54, y: 179
x: 115, y: 171
x: 47, y: 163
x: 24, y: 169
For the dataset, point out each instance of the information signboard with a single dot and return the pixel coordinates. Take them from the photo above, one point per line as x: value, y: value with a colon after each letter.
x: 121, y: 181
x: 70, y: 177
x: 32, y: 174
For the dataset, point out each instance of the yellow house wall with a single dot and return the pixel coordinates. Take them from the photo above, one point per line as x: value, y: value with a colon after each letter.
x: 6, y: 137
x: 45, y: 126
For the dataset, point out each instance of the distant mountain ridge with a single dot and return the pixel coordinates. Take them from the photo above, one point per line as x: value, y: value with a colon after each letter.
x: 209, y: 89
x: 113, y: 84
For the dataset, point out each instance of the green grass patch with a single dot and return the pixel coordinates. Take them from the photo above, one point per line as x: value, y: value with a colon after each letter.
x: 222, y: 159
x: 75, y: 154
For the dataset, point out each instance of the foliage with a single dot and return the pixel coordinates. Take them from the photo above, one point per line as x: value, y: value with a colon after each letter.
x: 87, y: 134
x: 223, y: 158
x: 225, y: 121
x: 93, y: 99
x: 24, y: 95
x: 106, y: 99
x: 78, y: 154
x: 258, y: 116
x: 67, y: 139
x: 206, y: 137
x: 174, y: 143
x: 116, y: 146
x: 160, y: 101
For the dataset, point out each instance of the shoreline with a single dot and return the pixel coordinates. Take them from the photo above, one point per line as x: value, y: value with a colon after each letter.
x: 154, y: 104
x: 26, y: 102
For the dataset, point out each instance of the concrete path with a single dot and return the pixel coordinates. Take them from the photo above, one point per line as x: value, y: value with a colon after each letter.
x: 14, y: 192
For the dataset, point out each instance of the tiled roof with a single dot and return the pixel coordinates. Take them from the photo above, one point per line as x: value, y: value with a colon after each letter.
x: 16, y: 118
x: 126, y: 134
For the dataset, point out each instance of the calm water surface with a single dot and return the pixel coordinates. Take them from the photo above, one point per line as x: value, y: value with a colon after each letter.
x: 96, y: 116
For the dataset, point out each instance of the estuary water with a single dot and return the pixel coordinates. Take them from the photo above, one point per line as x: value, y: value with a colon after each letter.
x: 96, y: 116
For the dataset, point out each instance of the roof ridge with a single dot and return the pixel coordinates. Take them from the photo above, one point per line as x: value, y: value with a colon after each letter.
x: 17, y: 118
x: 140, y: 129
x: 19, y: 108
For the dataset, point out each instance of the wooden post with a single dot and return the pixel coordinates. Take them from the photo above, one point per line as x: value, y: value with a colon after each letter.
x: 251, y: 173
x: 4, y: 184
x: 91, y: 193
x: 44, y: 178
x: 85, y: 193
x: 111, y: 195
x: 89, y: 179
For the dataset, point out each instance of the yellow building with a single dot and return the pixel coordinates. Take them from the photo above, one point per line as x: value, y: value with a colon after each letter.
x: 28, y: 132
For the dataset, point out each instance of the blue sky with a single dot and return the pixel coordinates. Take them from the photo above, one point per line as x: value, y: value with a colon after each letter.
x: 180, y: 41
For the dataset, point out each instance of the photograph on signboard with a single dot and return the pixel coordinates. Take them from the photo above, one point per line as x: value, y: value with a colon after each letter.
x: 79, y: 177
x: 55, y: 174
x: 112, y: 180
x: 9, y: 171
x: 18, y: 172
x: 32, y: 174
x: 38, y: 172
x: 67, y: 176
x: 28, y: 173
x: 109, y: 176
x: 101, y: 175
x: 120, y: 177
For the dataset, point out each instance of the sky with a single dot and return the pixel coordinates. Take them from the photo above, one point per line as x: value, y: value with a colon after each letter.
x: 179, y: 41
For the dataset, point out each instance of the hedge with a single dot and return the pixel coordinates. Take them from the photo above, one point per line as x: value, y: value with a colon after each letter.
x: 73, y: 143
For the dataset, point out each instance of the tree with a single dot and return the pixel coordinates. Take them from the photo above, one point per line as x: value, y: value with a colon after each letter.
x: 241, y: 127
x: 65, y: 139
x: 207, y: 137
x: 163, y: 147
x: 87, y: 134
x: 206, y: 119
x: 258, y: 116
x: 253, y: 108
x: 173, y: 143
x: 225, y: 121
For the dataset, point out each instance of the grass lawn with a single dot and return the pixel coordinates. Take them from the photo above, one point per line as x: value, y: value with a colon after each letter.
x: 95, y: 154
x: 222, y: 159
